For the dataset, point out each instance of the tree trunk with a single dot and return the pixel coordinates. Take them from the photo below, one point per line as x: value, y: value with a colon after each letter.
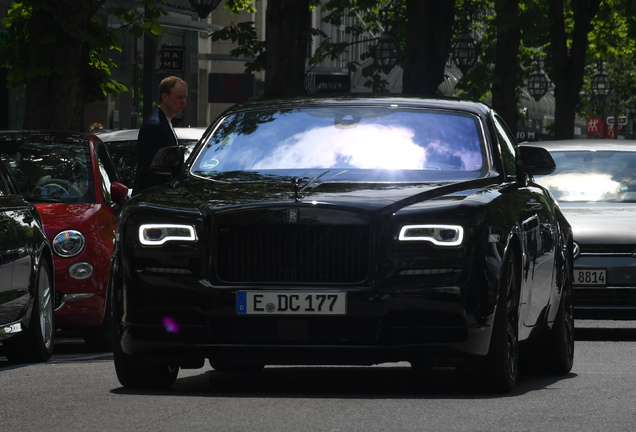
x: 286, y: 47
x: 504, y: 87
x: 428, y: 36
x: 568, y: 63
x: 55, y: 101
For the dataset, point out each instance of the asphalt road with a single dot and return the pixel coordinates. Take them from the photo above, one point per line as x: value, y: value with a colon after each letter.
x: 78, y: 391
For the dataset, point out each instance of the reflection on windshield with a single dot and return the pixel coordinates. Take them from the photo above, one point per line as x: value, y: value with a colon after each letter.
x: 345, y: 138
x: 586, y: 176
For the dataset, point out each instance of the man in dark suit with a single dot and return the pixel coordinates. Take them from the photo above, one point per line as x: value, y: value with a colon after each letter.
x: 157, y: 132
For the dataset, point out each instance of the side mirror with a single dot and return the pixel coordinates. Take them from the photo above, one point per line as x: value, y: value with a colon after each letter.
x: 168, y: 160
x: 119, y: 192
x: 534, y: 160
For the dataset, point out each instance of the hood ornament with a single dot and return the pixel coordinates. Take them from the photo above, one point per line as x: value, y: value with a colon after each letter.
x: 296, y: 196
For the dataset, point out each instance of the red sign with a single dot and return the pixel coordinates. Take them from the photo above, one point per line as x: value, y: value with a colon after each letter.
x: 230, y: 87
x: 594, y: 126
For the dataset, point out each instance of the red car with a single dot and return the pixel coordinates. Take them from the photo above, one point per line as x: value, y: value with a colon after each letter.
x: 71, y: 179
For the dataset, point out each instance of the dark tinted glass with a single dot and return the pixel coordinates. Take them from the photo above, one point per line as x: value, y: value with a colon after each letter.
x: 51, y: 172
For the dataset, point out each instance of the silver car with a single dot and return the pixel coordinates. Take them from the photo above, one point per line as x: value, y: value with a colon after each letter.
x: 595, y: 186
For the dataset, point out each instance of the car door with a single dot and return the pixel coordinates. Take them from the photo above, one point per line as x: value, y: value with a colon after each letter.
x: 538, y: 228
x: 16, y: 250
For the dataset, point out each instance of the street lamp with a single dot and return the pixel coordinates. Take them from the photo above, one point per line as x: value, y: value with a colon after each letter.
x: 601, y: 87
x: 465, y: 52
x: 385, y: 53
x: 537, y: 84
x: 204, y: 7
x: 601, y: 84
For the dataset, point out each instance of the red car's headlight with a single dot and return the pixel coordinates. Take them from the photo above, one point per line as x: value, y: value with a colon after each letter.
x: 69, y: 243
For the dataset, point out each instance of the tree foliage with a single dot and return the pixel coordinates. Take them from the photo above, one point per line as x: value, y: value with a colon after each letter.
x: 60, y: 51
x: 569, y: 37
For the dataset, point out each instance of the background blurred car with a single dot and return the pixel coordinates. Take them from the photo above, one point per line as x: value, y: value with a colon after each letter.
x: 346, y: 230
x: 123, y: 148
x: 595, y: 186
x: 73, y: 182
x: 27, y: 289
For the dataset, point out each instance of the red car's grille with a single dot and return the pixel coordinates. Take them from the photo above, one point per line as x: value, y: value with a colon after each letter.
x: 288, y: 254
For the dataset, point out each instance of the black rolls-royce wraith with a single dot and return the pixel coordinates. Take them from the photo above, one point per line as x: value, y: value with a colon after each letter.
x: 349, y: 230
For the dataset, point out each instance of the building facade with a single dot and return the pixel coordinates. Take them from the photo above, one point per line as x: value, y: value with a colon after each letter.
x: 216, y: 80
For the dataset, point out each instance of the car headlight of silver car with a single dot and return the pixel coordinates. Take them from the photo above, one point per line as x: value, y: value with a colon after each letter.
x: 440, y: 235
x: 69, y: 243
x: 158, y: 234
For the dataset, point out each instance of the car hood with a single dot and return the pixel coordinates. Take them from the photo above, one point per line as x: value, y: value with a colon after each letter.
x: 601, y: 223
x: 59, y: 217
x: 372, y: 197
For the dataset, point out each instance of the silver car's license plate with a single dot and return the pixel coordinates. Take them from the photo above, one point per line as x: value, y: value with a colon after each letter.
x: 290, y: 303
x: 594, y: 277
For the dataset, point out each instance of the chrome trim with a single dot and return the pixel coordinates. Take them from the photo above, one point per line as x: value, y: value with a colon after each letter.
x: 73, y: 297
x: 615, y: 254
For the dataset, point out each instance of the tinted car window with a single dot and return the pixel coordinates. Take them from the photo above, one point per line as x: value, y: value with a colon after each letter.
x: 592, y: 176
x: 506, y: 140
x: 343, y: 138
x: 51, y: 172
x: 124, y: 154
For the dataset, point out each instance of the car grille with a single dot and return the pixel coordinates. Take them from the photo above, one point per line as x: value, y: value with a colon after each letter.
x: 616, y: 298
x: 607, y: 250
x: 288, y: 254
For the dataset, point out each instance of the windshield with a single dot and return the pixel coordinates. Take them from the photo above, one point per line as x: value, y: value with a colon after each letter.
x: 584, y: 176
x: 351, y: 141
x: 49, y: 172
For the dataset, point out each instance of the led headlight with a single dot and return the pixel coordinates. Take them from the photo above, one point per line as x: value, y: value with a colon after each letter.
x: 440, y: 235
x: 158, y: 234
x: 69, y: 243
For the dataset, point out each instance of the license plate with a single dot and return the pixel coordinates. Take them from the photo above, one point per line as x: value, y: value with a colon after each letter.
x: 290, y: 303
x: 595, y: 277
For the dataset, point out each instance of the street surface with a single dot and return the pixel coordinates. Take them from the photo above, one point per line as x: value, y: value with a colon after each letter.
x: 78, y: 391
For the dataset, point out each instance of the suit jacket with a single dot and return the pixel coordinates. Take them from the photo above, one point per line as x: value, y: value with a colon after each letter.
x: 155, y: 133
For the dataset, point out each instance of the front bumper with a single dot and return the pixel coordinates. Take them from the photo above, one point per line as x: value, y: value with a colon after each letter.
x: 381, y: 325
x: 616, y: 298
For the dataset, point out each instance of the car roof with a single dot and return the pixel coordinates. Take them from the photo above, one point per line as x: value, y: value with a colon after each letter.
x: 31, y: 135
x: 473, y: 107
x: 132, y: 134
x: 586, y: 144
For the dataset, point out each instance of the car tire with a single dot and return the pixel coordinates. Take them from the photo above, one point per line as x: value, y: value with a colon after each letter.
x: 560, y: 356
x: 497, y: 372
x: 135, y: 371
x: 35, y: 344
x: 503, y: 355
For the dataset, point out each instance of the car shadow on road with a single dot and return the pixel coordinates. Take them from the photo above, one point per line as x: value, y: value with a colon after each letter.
x: 378, y: 382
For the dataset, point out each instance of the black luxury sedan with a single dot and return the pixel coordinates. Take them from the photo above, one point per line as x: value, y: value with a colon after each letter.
x: 27, y: 288
x: 346, y: 231
x: 595, y: 185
